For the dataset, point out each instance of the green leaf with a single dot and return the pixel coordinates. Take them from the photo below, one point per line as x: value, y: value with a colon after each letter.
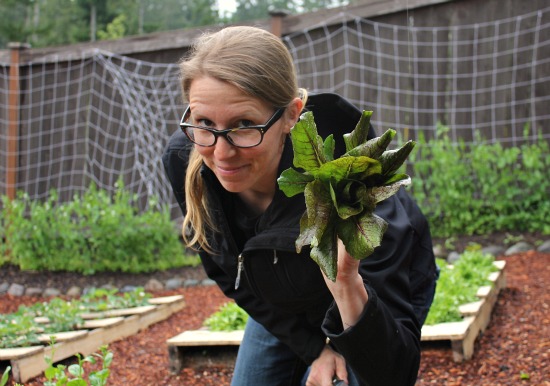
x: 308, y: 145
x: 328, y: 148
x: 349, y: 201
x: 5, y: 376
x: 396, y: 178
x: 325, y: 254
x: 361, y: 234
x: 524, y: 376
x: 380, y: 193
x: 77, y: 382
x: 51, y: 372
x: 360, y: 134
x: 292, y: 182
x: 75, y: 370
x: 108, y: 359
x: 392, y: 160
x: 319, y: 211
x: 348, y: 167
x: 374, y: 147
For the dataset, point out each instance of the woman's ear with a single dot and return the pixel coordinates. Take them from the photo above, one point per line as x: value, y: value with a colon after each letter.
x: 293, y: 112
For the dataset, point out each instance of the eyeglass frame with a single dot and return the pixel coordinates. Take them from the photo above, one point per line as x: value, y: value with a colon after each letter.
x: 224, y: 133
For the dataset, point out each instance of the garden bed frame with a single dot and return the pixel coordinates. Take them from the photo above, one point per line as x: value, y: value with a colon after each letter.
x: 476, y: 317
x: 99, y: 328
x: 203, y: 347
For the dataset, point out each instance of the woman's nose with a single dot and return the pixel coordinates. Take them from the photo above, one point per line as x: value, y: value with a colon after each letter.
x: 223, y: 149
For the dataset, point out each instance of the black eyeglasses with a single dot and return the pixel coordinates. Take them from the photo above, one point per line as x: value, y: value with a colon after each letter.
x: 247, y: 136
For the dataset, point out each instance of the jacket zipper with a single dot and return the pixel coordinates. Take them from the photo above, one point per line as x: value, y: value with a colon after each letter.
x: 240, y: 266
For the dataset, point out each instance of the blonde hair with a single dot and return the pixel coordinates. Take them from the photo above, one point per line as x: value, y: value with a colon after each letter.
x: 253, y: 60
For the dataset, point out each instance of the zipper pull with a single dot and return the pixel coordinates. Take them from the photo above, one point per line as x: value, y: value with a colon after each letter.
x: 240, y: 263
x: 275, y: 257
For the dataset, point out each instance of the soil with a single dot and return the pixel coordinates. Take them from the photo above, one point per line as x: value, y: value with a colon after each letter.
x: 514, y: 349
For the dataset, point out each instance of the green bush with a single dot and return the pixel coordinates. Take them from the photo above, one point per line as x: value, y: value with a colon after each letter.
x: 481, y: 188
x: 92, y: 233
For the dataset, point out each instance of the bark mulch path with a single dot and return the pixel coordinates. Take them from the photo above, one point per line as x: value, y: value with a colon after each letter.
x: 514, y: 350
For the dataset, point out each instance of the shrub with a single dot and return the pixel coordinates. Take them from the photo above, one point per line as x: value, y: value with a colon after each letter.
x: 482, y: 188
x: 92, y: 233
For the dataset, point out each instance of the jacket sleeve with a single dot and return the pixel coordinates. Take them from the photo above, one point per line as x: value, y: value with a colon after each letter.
x: 383, y: 348
x: 175, y: 159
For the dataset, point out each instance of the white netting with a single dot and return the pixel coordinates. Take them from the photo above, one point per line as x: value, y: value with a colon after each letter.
x: 493, y: 77
x: 103, y: 116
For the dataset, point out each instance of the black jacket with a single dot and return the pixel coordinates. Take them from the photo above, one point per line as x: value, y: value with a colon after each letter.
x: 285, y: 291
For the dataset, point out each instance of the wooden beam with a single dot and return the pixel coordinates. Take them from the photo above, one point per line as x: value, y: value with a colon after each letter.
x: 13, y: 119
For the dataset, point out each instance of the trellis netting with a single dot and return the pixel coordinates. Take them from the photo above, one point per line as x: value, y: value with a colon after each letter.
x: 102, y: 116
x: 492, y: 78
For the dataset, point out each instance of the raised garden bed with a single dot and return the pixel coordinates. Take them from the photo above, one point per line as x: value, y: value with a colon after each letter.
x: 476, y: 317
x: 203, y: 347
x: 99, y: 328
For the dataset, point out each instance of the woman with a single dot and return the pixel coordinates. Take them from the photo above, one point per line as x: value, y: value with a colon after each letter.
x: 303, y: 329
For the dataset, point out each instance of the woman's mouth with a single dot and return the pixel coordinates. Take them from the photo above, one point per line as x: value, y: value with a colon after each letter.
x: 228, y: 171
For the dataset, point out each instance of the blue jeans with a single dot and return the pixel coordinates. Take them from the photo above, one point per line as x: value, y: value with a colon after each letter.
x: 264, y: 360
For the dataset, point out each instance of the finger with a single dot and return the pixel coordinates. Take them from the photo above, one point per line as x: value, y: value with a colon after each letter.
x: 324, y: 379
x: 341, y: 370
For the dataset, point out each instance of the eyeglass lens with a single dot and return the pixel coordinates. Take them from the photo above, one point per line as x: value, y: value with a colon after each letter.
x: 238, y: 137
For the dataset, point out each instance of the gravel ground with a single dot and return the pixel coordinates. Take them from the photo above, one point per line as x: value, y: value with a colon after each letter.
x: 514, y: 350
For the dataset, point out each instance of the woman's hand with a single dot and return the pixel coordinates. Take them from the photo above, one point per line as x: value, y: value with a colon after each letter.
x: 326, y: 367
x: 348, y: 290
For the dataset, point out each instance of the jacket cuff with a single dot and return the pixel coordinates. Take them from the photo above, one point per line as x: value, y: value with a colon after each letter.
x: 332, y: 325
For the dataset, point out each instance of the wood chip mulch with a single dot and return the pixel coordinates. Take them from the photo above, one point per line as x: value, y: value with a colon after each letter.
x: 513, y: 350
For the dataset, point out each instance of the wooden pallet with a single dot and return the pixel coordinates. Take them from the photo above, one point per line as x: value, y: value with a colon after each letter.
x: 100, y: 329
x: 476, y: 317
x: 203, y: 347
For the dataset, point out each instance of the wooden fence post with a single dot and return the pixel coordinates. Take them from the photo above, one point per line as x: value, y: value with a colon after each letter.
x: 13, y: 119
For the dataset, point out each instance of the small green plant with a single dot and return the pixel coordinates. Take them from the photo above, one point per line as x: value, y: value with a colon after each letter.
x: 450, y: 243
x: 458, y: 284
x: 6, y: 376
x: 524, y: 376
x: 511, y: 239
x: 19, y: 329
x: 61, y: 315
x: 101, y: 299
x: 229, y: 317
x: 73, y: 375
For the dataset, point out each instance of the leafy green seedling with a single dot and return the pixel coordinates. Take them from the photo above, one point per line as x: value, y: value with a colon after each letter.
x: 229, y: 317
x: 524, y: 376
x: 341, y: 194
